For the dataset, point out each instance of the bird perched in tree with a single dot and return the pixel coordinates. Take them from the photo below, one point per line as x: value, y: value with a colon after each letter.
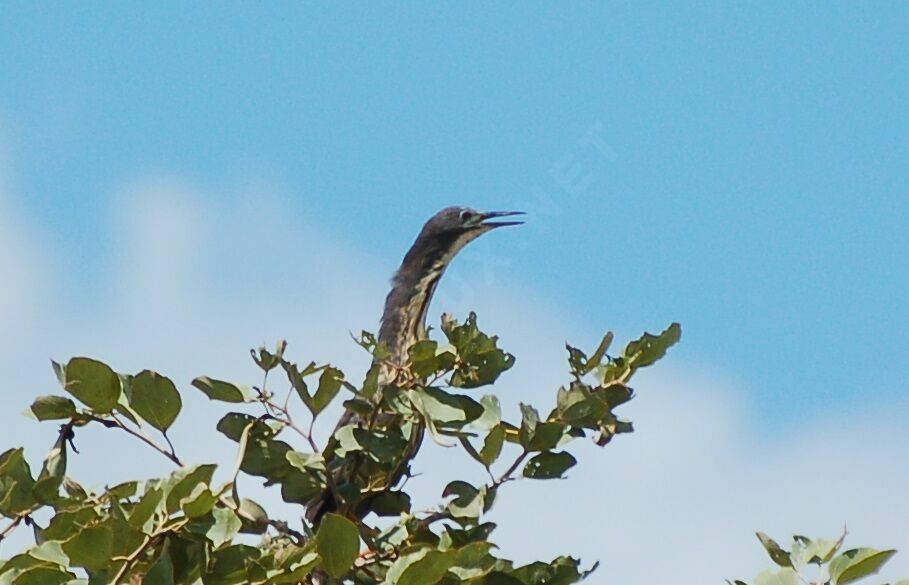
x: 403, y: 324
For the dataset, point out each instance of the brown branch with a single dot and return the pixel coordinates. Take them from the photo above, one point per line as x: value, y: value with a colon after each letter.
x: 435, y: 517
x: 12, y: 525
x: 116, y: 423
x: 131, y: 559
x: 514, y: 466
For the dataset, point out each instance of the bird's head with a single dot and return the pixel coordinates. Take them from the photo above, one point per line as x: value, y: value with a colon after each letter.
x: 466, y: 222
x: 445, y: 234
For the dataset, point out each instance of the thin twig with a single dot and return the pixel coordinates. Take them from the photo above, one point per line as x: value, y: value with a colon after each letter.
x: 514, y: 466
x: 288, y: 421
x: 169, y: 444
x: 131, y: 559
x: 12, y: 526
x: 371, y: 557
x: 435, y: 517
x: 117, y: 423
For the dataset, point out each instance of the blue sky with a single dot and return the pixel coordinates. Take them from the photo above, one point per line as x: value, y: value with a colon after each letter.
x: 740, y: 169
x: 757, y: 192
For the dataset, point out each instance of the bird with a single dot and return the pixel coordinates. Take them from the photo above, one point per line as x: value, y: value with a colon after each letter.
x: 403, y: 323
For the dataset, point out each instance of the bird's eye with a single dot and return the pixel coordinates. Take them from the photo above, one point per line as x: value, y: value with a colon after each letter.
x: 467, y: 215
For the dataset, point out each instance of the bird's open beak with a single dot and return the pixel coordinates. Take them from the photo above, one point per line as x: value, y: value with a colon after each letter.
x: 493, y: 214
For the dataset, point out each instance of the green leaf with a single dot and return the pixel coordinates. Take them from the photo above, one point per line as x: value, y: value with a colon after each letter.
x: 124, y: 490
x: 90, y: 547
x: 265, y: 457
x: 183, y: 481
x: 469, y: 502
x: 425, y: 359
x: 480, y: 360
x: 614, y: 394
x: 199, y: 502
x: 338, y: 543
x: 472, y: 560
x: 47, y: 487
x: 857, y: 563
x: 267, y: 360
x: 329, y: 384
x: 233, y: 424
x: 786, y: 576
x: 301, y: 487
x: 155, y: 399
x: 549, y: 465
x: 529, y: 420
x: 306, y: 461
x: 384, y: 447
x: 492, y: 446
x: 422, y: 567
x: 818, y: 551
x: 220, y: 390
x: 16, y: 484
x: 777, y: 554
x: 92, y: 383
x: 417, y: 400
x: 53, y: 408
x: 126, y: 540
x: 298, y: 570
x: 650, y: 348
x: 253, y: 517
x: 66, y: 524
x: 362, y: 408
x: 233, y: 565
x: 444, y: 408
x: 577, y: 406
x: 295, y: 377
x: 577, y: 360
x: 368, y: 342
x: 546, y: 436
x: 41, y: 575
x: 50, y: 551
x: 162, y: 571
x: 560, y: 571
x: 390, y: 504
x: 599, y: 353
x: 59, y: 372
x: 492, y: 413
x: 146, y: 507
x: 227, y: 525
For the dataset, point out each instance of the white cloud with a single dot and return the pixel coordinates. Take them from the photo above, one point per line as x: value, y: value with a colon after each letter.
x: 22, y: 278
x: 197, y: 281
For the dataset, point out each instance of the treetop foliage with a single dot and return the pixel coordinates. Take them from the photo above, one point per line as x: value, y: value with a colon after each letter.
x: 829, y: 568
x: 185, y: 529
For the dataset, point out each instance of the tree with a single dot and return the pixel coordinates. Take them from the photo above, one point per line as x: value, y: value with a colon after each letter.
x: 184, y: 529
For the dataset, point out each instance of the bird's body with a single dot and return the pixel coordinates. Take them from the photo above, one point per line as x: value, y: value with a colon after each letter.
x: 404, y: 323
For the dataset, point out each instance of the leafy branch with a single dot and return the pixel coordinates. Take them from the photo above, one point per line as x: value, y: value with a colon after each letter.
x: 832, y: 568
x: 182, y: 528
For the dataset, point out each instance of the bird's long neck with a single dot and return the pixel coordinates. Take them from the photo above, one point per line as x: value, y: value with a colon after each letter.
x: 404, y: 318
